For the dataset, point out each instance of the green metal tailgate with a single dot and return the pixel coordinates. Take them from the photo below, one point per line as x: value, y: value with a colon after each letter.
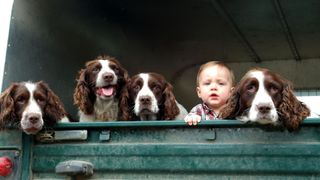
x: 223, y: 149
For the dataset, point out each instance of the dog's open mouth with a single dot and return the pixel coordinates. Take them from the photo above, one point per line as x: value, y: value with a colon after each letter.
x: 106, y: 91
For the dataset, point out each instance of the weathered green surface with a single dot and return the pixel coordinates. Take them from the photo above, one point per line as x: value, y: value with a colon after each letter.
x: 171, y: 149
x: 11, y: 146
x: 221, y: 149
x: 10, y: 138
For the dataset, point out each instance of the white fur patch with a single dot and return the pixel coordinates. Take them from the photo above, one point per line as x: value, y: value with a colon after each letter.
x: 103, y: 111
x: 32, y: 108
x: 261, y: 98
x: 146, y: 91
x: 105, y: 69
x: 64, y: 119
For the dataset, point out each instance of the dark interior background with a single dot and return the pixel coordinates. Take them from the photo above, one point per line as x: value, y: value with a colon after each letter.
x: 51, y: 40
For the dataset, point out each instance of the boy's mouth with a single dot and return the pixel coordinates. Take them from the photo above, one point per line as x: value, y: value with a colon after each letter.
x: 214, y: 95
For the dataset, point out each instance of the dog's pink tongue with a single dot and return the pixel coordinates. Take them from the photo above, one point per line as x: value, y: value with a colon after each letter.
x: 107, y: 91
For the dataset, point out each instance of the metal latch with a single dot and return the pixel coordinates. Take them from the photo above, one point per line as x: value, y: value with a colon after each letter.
x: 75, y: 168
x: 49, y: 136
x: 210, y: 135
x: 104, y: 135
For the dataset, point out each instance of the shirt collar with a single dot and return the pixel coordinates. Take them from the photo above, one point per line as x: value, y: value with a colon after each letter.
x: 208, y: 110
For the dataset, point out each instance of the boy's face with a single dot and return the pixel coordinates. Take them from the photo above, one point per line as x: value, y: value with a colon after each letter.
x: 214, y: 86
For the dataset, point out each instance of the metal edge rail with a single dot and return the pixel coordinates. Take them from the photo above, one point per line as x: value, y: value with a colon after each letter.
x: 164, y: 123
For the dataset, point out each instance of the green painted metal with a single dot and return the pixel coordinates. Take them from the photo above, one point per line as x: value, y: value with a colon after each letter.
x: 170, y: 149
x: 11, y: 146
x: 224, y: 149
x: 14, y: 136
x: 27, y: 147
x: 179, y: 123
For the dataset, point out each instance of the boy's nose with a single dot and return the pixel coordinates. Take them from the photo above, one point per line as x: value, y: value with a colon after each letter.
x: 214, y: 86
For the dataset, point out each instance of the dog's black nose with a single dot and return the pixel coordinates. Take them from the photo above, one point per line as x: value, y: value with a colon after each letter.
x: 108, y: 77
x: 264, y: 108
x: 145, y: 100
x: 34, y: 118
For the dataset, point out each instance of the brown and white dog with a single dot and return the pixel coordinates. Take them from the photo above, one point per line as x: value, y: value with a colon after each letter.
x: 31, y: 107
x: 267, y: 98
x: 150, y: 97
x: 98, y: 89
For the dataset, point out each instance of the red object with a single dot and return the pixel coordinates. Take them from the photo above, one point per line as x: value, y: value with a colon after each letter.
x: 5, y: 166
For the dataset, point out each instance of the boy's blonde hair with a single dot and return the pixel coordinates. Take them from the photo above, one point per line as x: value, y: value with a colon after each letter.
x: 216, y: 63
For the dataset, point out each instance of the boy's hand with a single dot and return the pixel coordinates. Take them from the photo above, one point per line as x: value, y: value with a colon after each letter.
x: 192, y: 119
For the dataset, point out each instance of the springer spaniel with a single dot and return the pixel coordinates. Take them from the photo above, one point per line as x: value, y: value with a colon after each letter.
x: 30, y: 106
x: 266, y: 98
x: 98, y: 89
x: 150, y: 97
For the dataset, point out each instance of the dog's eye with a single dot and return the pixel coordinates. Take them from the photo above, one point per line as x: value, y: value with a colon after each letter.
x: 156, y: 88
x: 40, y: 100
x: 273, y: 89
x: 136, y: 88
x: 114, y: 68
x: 95, y: 70
x: 252, y: 88
x: 21, y: 100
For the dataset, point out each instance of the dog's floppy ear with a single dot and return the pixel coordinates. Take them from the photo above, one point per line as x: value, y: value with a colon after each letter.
x: 291, y: 111
x: 233, y: 107
x: 7, y: 110
x: 171, y: 109
x: 123, y: 82
x: 81, y: 94
x: 54, y: 110
x: 124, y: 78
x: 124, y: 111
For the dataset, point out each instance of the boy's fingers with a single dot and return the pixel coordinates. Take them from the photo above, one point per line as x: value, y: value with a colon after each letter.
x: 194, y: 122
x: 188, y: 120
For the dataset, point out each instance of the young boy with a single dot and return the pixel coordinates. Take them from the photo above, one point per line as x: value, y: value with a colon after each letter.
x: 215, y: 81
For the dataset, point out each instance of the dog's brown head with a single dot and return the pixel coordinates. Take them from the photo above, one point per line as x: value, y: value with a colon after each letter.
x: 103, y: 78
